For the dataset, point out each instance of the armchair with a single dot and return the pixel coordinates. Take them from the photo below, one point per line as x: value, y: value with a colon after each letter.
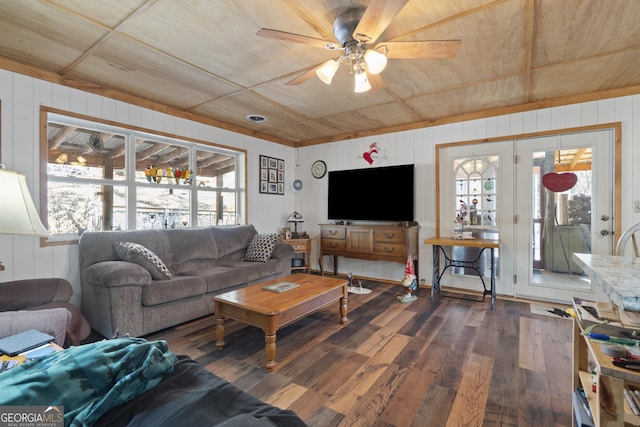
x: 52, y: 321
x: 43, y: 294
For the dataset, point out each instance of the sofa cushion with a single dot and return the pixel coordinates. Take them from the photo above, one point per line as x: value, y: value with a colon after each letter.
x: 261, y: 247
x: 178, y: 288
x: 221, y: 277
x: 258, y: 271
x: 191, y: 244
x: 234, y: 238
x: 98, y: 246
x: 138, y: 254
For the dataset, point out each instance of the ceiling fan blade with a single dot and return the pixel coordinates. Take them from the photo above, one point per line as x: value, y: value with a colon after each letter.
x: 297, y: 38
x: 303, y: 77
x: 423, y: 49
x: 376, y: 82
x: 377, y: 18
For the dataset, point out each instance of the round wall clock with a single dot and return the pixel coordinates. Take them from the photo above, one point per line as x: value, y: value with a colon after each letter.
x: 297, y: 184
x: 318, y: 169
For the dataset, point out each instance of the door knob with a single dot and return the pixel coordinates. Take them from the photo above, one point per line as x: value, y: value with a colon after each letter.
x: 604, y: 232
x: 605, y: 217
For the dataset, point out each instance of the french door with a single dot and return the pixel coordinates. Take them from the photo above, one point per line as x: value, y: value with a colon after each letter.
x: 539, y: 229
x: 475, y: 179
x: 553, y: 225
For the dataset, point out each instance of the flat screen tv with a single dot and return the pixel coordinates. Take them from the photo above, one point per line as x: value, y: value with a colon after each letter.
x: 371, y: 194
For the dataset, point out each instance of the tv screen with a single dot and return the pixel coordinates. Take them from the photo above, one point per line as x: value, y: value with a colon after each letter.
x: 372, y: 194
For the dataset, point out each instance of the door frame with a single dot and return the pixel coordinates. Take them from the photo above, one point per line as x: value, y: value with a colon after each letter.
x: 617, y: 166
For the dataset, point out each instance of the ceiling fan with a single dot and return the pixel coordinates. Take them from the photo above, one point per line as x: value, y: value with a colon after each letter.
x: 357, y: 31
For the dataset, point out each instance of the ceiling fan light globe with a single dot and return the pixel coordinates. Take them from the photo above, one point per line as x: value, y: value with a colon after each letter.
x: 376, y: 61
x: 327, y: 71
x: 362, y: 83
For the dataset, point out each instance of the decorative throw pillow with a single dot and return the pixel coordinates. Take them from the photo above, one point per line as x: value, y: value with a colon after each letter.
x: 260, y: 248
x: 138, y: 254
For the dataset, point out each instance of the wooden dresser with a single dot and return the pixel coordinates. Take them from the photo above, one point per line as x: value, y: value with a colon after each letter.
x: 371, y: 242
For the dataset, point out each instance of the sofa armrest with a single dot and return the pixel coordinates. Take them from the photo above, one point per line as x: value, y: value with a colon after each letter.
x: 116, y: 273
x: 23, y: 294
x: 282, y: 250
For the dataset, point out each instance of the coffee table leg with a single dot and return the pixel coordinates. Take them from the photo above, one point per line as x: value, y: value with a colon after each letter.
x: 270, y: 349
x: 343, y: 305
x: 219, y: 332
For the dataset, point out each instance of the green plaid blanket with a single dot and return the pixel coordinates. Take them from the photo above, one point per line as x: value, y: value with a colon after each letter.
x: 88, y: 380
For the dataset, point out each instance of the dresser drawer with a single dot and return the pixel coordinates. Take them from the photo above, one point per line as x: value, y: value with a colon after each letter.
x: 334, y: 233
x: 298, y: 246
x: 389, y: 249
x: 334, y: 245
x: 389, y: 235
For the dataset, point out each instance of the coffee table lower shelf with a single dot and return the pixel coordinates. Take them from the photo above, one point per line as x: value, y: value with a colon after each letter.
x: 270, y: 311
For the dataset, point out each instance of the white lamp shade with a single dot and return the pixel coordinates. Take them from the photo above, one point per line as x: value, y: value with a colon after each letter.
x: 362, y: 83
x: 18, y: 215
x: 375, y: 61
x: 327, y: 71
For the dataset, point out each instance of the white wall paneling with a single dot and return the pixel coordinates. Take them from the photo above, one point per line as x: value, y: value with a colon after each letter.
x: 22, y: 97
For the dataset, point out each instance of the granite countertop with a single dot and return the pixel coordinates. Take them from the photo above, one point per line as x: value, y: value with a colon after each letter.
x: 618, y: 277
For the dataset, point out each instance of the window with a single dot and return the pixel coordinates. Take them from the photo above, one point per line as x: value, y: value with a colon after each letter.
x: 106, y: 177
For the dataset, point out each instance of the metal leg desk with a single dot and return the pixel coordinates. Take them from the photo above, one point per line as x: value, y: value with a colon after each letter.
x: 483, y: 244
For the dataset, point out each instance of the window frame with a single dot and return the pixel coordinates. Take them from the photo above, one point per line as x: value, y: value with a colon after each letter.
x: 130, y: 184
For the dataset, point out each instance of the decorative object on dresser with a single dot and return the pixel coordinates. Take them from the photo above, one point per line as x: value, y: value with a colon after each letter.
x: 370, y: 242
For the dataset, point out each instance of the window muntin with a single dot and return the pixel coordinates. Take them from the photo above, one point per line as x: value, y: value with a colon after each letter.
x: 97, y: 177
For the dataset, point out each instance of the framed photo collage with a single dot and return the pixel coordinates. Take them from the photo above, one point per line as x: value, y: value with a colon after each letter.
x: 271, y: 175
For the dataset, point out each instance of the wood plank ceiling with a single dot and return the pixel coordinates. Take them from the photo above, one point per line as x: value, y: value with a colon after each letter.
x: 202, y: 59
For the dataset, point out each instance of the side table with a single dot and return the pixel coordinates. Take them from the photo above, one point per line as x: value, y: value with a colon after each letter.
x: 300, y: 246
x: 439, y: 242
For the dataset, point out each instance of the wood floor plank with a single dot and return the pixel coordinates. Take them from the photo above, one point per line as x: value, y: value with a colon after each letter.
x: 495, y: 415
x: 504, y: 390
x: 366, y: 410
x: 362, y: 381
x: 471, y: 396
x: 378, y: 340
x: 434, y: 410
x: 530, y: 345
x: 394, y: 365
x: 424, y: 368
x: 557, y: 356
x: 535, y: 407
x: 325, y: 417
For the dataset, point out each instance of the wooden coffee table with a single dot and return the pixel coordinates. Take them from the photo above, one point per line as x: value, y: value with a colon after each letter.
x: 271, y: 310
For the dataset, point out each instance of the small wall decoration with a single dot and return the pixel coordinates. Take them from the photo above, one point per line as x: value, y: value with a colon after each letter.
x: 271, y: 175
x: 374, y: 152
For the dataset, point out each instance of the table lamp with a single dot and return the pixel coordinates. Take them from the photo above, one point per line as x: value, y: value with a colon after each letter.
x: 295, y: 218
x: 18, y: 216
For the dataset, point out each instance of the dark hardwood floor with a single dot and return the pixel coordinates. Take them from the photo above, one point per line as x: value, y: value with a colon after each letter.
x: 447, y: 362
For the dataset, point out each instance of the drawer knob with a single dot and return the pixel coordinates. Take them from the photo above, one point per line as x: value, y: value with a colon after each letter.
x: 389, y: 250
x: 389, y: 236
x: 333, y: 232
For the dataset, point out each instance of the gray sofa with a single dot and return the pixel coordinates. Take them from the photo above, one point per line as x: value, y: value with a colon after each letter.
x: 120, y: 297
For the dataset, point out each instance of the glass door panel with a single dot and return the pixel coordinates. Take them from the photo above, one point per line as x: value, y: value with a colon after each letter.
x: 556, y: 215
